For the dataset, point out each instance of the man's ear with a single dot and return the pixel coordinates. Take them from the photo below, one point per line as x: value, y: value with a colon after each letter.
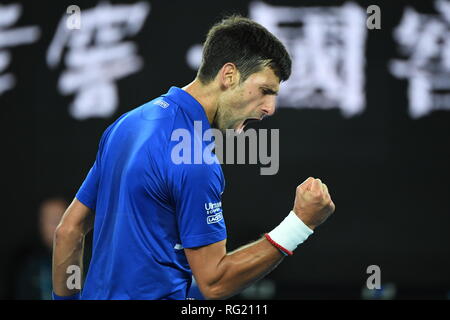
x: 228, y: 75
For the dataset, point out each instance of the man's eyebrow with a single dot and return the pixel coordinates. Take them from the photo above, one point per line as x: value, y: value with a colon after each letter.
x: 270, y: 91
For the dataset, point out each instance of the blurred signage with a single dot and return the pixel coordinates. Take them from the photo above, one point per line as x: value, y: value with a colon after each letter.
x: 424, y: 46
x: 97, y: 55
x: 327, y: 46
x: 11, y: 36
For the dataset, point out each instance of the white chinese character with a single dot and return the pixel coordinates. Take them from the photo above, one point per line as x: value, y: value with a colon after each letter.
x: 97, y: 56
x: 327, y: 47
x: 9, y: 37
x: 424, y: 41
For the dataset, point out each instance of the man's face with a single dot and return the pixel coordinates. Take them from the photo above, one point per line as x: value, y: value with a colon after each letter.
x: 250, y: 100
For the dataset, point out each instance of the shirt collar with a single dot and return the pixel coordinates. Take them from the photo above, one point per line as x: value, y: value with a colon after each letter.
x: 188, y: 103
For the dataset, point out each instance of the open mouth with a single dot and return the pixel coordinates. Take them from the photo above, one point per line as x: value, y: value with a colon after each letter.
x: 249, y: 120
x: 244, y: 123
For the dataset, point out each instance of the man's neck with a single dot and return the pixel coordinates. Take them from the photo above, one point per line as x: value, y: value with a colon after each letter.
x: 206, y: 95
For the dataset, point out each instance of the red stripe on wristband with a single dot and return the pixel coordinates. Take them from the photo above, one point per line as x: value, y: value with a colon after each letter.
x: 290, y: 253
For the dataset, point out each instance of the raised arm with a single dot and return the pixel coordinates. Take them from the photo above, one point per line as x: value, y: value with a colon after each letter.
x: 220, y: 274
x: 68, y: 245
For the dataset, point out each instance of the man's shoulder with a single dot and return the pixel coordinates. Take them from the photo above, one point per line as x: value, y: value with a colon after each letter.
x: 158, y: 108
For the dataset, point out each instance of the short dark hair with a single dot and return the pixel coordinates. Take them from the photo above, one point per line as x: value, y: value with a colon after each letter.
x: 245, y: 43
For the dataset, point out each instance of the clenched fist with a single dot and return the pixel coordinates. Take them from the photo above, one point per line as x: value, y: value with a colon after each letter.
x: 313, y: 204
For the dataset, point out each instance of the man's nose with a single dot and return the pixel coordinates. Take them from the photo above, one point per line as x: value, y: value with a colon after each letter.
x: 269, y: 107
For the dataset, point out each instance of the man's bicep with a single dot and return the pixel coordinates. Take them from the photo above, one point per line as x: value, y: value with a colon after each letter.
x: 204, y: 262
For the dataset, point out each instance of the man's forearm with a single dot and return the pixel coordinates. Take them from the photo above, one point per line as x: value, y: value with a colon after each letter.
x: 243, y: 267
x: 67, y: 251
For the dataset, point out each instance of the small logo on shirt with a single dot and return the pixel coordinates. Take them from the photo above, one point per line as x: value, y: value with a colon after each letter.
x: 214, y: 212
x: 163, y: 104
x: 213, y: 207
x: 178, y: 246
x: 214, y: 218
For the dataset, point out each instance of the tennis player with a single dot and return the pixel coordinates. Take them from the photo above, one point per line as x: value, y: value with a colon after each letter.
x: 157, y: 222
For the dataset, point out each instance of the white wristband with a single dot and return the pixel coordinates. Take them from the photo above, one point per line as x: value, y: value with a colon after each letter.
x: 291, y: 232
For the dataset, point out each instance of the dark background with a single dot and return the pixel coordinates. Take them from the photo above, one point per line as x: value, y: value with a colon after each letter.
x: 388, y: 173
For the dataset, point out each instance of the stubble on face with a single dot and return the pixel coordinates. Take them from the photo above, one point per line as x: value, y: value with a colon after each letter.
x: 228, y: 110
x: 243, y: 103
